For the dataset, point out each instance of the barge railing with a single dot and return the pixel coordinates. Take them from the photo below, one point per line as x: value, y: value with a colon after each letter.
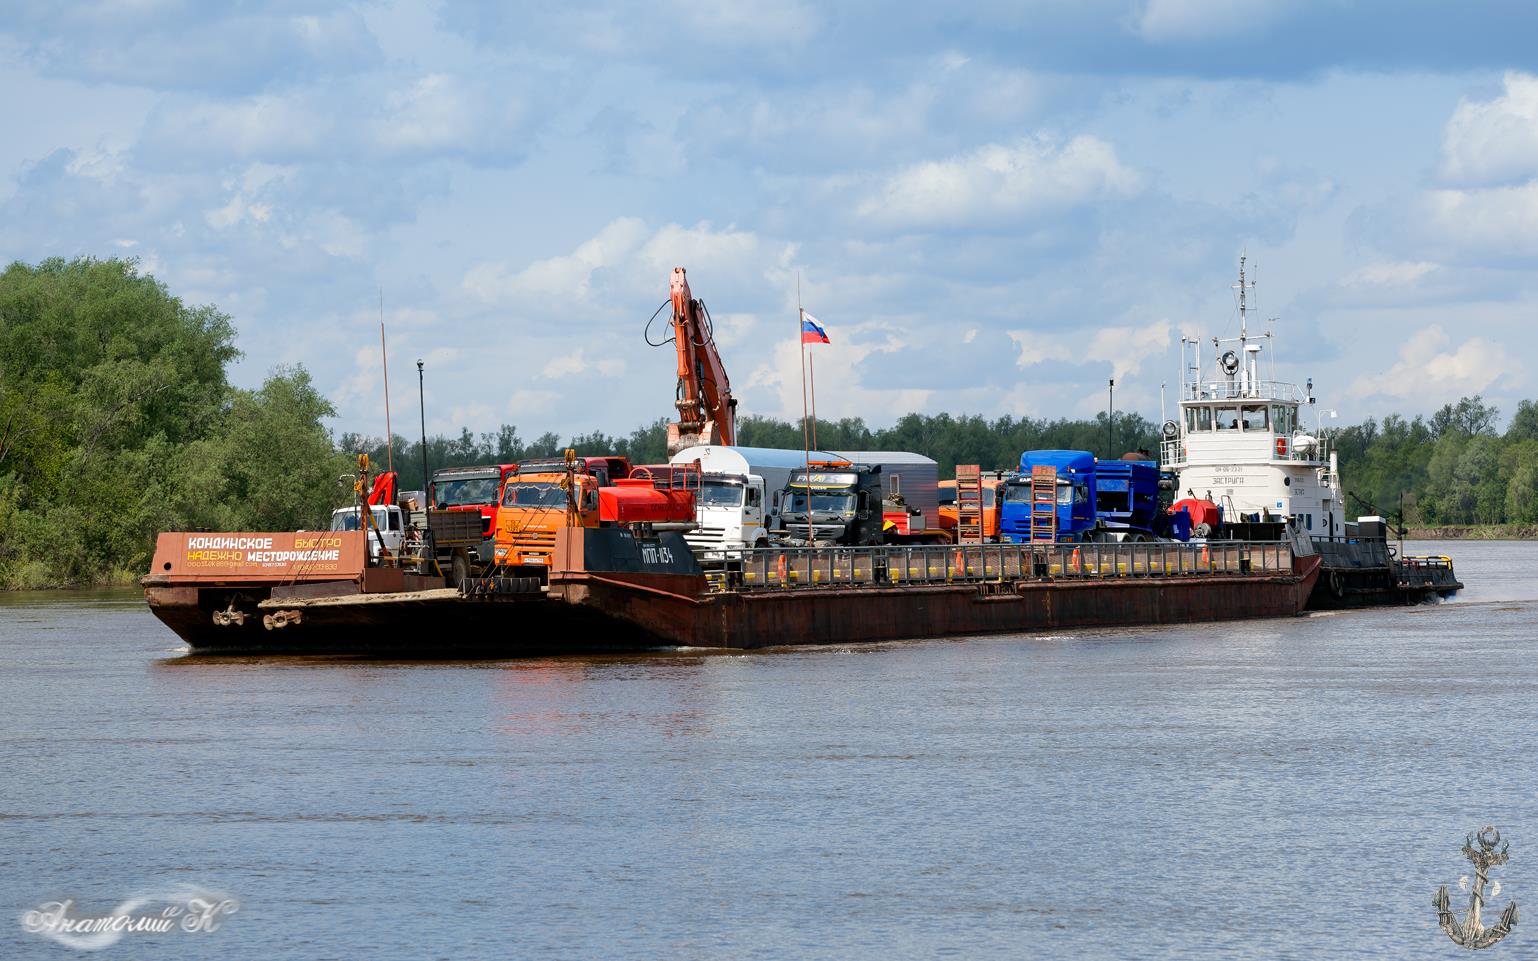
x: 775, y: 568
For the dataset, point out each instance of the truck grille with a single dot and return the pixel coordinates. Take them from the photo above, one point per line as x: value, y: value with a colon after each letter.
x: 533, y: 543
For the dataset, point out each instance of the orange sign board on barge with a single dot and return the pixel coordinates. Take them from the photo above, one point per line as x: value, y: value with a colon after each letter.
x: 284, y: 557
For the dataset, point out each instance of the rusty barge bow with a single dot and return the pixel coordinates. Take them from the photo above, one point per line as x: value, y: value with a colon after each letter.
x: 610, y: 589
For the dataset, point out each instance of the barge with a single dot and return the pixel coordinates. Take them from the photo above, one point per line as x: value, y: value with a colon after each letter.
x: 613, y: 588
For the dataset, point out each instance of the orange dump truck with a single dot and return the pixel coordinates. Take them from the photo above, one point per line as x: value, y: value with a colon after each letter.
x: 541, y: 497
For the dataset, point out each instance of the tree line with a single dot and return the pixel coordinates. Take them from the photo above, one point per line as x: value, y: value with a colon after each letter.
x: 117, y: 421
x: 1453, y: 468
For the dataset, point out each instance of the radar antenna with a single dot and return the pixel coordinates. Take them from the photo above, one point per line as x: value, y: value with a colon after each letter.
x: 1241, y: 286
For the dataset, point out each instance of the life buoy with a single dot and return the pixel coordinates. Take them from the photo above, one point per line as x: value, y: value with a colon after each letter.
x: 1281, y: 447
x: 780, y: 569
x: 1337, y: 586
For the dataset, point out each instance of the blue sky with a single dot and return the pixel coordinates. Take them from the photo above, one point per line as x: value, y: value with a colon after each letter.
x: 992, y: 207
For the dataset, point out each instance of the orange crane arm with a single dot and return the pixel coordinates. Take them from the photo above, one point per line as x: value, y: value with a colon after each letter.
x: 707, y: 412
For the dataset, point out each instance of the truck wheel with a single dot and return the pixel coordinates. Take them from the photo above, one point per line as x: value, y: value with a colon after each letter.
x: 459, y: 570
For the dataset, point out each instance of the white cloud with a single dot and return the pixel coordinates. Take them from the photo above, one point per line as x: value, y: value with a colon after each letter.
x: 1428, y: 367
x: 527, y: 400
x: 566, y: 276
x: 1499, y: 221
x: 1036, y: 348
x: 732, y: 330
x: 1389, y: 274
x: 748, y: 22
x: 1001, y: 183
x: 267, y: 127
x: 713, y: 252
x: 444, y: 113
x: 779, y: 376
x: 98, y: 164
x: 1167, y: 21
x: 578, y: 362
x: 235, y: 211
x: 1126, y: 348
x: 1494, y: 141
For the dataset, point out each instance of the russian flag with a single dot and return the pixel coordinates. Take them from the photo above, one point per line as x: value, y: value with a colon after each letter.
x: 811, y: 330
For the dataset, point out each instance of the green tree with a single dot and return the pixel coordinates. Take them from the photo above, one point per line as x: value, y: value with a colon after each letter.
x: 117, y: 421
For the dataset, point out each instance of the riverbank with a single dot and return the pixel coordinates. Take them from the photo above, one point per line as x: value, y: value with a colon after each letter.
x: 37, y: 576
x: 1474, y: 532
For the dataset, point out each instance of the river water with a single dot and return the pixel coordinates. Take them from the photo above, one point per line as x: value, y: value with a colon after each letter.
x: 1291, y: 788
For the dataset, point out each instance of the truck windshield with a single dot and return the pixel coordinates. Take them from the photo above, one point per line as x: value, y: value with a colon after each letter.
x: 990, y: 495
x: 533, y: 494
x: 836, y: 502
x: 466, y: 491
x: 384, y: 519
x: 721, y: 495
x: 1017, y: 494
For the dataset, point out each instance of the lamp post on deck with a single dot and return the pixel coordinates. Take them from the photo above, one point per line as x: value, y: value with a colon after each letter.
x: 1110, y: 421
x: 422, y: 406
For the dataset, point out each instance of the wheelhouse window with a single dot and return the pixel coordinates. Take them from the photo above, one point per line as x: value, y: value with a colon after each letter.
x: 1198, y: 418
x: 1227, y: 418
x: 1284, y: 418
x: 1253, y: 416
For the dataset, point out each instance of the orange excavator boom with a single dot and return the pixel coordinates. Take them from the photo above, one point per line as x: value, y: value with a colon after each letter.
x: 707, y: 412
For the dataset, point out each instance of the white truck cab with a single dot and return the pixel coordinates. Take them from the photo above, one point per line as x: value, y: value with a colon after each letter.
x: 387, y: 520
x: 731, y: 515
x: 735, y: 514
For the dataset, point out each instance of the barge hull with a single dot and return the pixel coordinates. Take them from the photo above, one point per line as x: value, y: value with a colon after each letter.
x: 837, y: 616
x: 608, y: 592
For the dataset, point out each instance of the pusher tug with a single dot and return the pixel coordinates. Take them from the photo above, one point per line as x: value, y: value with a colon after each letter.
x: 1243, y: 457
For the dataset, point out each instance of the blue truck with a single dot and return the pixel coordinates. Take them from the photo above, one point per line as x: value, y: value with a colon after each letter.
x: 1097, y: 500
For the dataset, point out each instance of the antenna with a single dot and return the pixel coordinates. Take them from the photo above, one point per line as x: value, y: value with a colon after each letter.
x: 1241, y: 286
x: 1271, y: 336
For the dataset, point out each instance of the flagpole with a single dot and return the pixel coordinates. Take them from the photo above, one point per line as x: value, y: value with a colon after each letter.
x: 806, y: 456
x: 384, y: 356
x: 811, y: 366
x: 805, y: 442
